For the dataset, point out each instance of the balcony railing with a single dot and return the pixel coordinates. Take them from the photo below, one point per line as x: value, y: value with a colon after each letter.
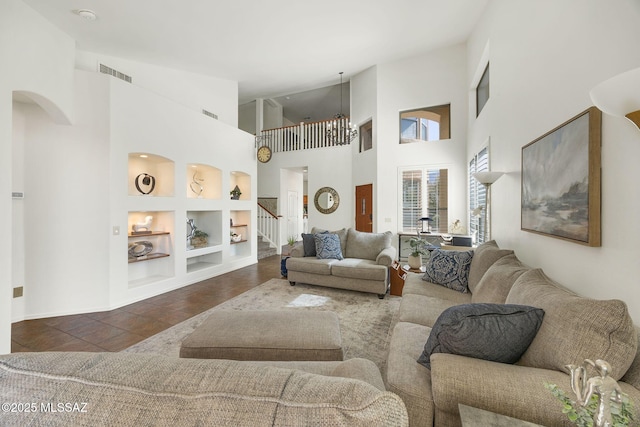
x: 300, y: 137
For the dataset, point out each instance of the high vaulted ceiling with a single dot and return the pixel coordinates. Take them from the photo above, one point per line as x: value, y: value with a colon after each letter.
x: 270, y: 47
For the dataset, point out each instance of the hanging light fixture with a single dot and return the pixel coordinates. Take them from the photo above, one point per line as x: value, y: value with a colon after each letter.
x: 339, y: 131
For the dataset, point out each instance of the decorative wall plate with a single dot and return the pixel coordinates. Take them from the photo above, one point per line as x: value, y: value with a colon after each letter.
x: 139, y: 249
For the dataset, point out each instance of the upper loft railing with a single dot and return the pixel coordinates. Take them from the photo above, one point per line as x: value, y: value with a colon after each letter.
x: 300, y: 137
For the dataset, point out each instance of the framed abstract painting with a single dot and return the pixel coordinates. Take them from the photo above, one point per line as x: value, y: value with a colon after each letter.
x: 561, y: 181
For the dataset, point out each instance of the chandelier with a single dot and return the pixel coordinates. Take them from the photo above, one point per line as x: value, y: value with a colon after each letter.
x: 339, y: 131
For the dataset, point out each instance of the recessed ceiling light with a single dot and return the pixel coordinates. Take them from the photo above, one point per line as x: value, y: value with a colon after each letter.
x: 144, y: 156
x: 87, y: 14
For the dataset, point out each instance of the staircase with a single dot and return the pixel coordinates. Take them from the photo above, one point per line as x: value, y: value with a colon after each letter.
x: 265, y: 249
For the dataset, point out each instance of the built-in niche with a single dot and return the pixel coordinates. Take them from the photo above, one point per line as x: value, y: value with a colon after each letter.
x: 240, y: 186
x: 150, y: 246
x: 203, y: 182
x: 150, y: 175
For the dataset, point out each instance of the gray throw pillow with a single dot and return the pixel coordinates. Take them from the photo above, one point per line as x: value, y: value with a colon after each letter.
x: 495, y: 332
x: 308, y: 244
x: 449, y: 268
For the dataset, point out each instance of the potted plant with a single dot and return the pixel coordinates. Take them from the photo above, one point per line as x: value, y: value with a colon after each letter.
x: 199, y: 239
x: 417, y: 251
x: 235, y: 193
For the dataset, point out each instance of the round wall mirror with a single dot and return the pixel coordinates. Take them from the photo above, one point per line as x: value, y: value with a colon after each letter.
x: 326, y: 200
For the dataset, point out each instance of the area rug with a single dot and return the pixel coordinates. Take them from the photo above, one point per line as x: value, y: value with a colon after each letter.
x: 365, y: 320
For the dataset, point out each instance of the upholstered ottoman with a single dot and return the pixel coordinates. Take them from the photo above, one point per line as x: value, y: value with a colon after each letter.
x: 266, y: 335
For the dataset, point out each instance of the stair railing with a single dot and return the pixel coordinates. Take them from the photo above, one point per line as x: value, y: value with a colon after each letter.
x: 269, y: 227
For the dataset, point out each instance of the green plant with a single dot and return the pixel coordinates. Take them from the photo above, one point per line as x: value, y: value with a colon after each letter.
x: 291, y: 240
x: 200, y: 233
x: 582, y: 416
x: 417, y: 246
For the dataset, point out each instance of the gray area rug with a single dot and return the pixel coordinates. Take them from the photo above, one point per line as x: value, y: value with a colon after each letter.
x: 365, y: 320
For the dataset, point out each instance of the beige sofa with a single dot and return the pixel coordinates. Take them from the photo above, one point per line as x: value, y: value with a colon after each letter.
x: 364, y: 268
x: 573, y: 329
x: 127, y: 389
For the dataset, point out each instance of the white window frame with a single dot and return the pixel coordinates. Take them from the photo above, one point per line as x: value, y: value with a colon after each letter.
x: 440, y: 226
x: 477, y: 194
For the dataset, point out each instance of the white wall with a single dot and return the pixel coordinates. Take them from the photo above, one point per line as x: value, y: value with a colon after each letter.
x: 364, y: 107
x: 64, y: 220
x: 326, y: 168
x: 194, y: 91
x: 37, y: 58
x: 545, y: 57
x: 436, y: 78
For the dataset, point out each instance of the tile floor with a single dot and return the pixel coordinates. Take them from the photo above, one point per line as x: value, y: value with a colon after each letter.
x: 118, y: 329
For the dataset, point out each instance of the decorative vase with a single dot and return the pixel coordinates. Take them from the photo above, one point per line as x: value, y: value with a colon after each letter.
x: 415, y: 262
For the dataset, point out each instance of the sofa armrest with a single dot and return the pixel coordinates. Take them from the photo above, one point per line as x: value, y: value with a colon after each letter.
x: 512, y: 390
x: 297, y: 250
x: 386, y: 257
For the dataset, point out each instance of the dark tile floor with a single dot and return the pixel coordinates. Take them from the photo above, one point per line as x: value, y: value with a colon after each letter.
x: 118, y: 329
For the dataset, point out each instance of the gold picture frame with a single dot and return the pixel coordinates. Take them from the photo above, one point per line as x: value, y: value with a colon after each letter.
x: 561, y: 181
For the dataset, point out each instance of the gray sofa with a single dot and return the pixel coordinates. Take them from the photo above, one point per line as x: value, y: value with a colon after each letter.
x: 573, y: 329
x: 127, y: 389
x: 364, y: 267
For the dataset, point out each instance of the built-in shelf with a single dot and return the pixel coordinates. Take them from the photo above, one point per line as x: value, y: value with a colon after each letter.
x: 148, y: 257
x: 153, y: 233
x: 195, y: 252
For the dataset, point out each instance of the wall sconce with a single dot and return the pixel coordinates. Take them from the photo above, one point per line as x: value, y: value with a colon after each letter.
x: 619, y: 96
x: 486, y: 179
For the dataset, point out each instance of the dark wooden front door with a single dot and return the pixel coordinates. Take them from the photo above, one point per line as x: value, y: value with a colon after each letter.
x: 364, y: 207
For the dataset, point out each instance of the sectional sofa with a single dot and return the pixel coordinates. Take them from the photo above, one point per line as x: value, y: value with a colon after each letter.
x: 127, y: 389
x: 573, y: 329
x: 360, y: 263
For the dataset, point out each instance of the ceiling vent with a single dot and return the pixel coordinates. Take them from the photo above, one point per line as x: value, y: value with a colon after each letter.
x: 115, y: 73
x: 210, y: 114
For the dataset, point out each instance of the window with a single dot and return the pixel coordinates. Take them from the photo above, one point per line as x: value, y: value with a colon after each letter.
x: 366, y: 136
x: 424, y: 193
x: 482, y: 91
x: 477, y: 196
x: 425, y: 124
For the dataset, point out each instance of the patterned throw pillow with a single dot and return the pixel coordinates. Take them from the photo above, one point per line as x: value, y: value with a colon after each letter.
x: 328, y: 246
x: 449, y: 269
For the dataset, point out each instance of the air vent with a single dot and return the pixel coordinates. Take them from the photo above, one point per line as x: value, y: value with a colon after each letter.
x: 115, y: 73
x: 210, y: 114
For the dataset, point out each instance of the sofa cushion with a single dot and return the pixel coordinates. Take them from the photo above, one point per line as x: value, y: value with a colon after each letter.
x: 498, y: 280
x: 310, y: 265
x: 424, y: 310
x: 359, y: 269
x: 449, y: 268
x: 366, y: 245
x: 495, y: 332
x: 144, y: 389
x: 408, y: 379
x: 414, y: 284
x: 484, y: 256
x: 574, y: 328
x: 328, y: 246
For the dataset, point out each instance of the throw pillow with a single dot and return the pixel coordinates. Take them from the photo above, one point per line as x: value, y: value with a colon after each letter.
x: 498, y: 280
x: 495, y: 332
x: 309, y: 244
x: 484, y: 257
x: 449, y: 268
x: 328, y: 246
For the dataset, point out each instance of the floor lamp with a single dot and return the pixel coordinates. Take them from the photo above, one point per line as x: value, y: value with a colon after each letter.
x: 486, y: 179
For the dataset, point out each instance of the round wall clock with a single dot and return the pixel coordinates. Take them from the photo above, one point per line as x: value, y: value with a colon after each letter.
x: 264, y: 154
